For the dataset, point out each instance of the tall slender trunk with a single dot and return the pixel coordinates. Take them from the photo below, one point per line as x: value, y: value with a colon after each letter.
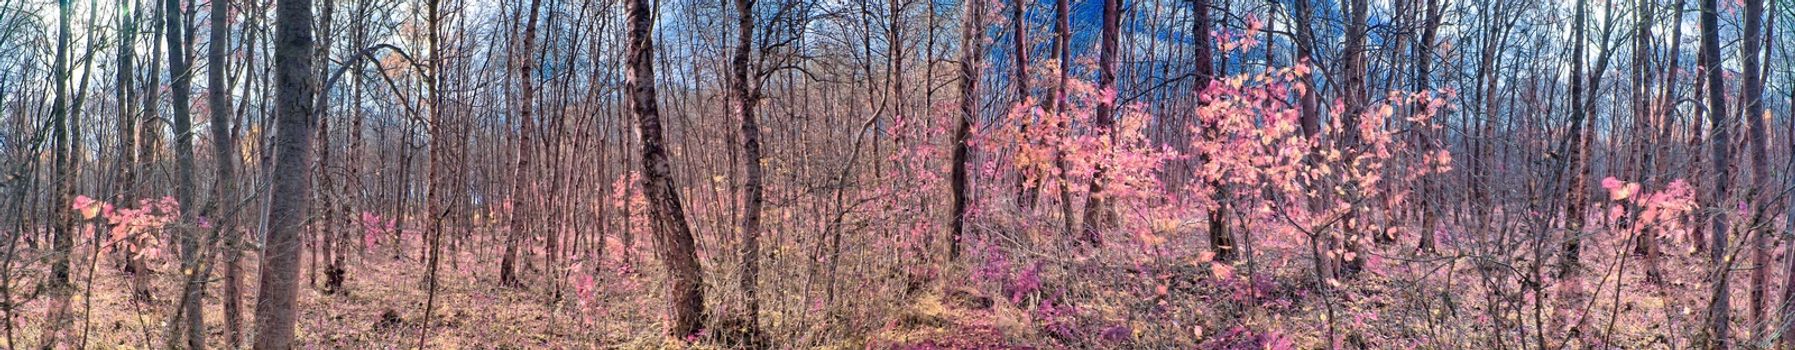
x: 1028, y: 194
x: 224, y: 197
x: 181, y: 90
x: 523, y: 191
x: 289, y: 202
x: 125, y: 182
x: 1430, y: 185
x: 1354, y: 99
x: 1720, y: 142
x: 747, y: 93
x: 60, y: 285
x: 1062, y: 51
x: 971, y: 38
x: 149, y: 137
x: 673, y: 237
x: 1099, y: 213
x: 1220, y: 238
x: 1751, y: 108
x: 1576, y: 155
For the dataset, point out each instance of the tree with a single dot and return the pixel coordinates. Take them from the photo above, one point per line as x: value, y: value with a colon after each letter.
x: 685, y: 294
x: 1577, y: 155
x: 59, y: 284
x: 1027, y: 195
x: 181, y: 121
x: 522, y: 192
x: 1098, y: 213
x: 1353, y: 92
x: 745, y: 88
x: 224, y: 188
x: 972, y: 33
x: 1220, y: 239
x: 293, y: 54
x: 1719, y: 142
x: 1062, y: 53
x: 1751, y: 89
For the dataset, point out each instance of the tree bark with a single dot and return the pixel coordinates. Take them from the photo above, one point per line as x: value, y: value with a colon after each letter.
x: 59, y: 284
x: 1220, y: 238
x: 747, y: 93
x: 971, y: 39
x: 1719, y: 142
x: 1354, y: 98
x: 1571, y: 249
x: 1062, y: 51
x: 1751, y: 90
x: 286, y: 214
x: 224, y: 146
x: 1099, y: 213
x: 523, y: 191
x: 180, y: 91
x: 685, y: 294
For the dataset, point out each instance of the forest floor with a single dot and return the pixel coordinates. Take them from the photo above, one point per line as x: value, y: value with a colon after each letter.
x: 1416, y: 304
x: 380, y: 308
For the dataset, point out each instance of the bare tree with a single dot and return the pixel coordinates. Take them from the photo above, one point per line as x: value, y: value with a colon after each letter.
x: 1751, y: 89
x: 685, y: 294
x: 971, y: 38
x: 745, y: 87
x: 59, y: 283
x: 224, y: 189
x: 289, y: 201
x: 181, y: 121
x: 1099, y: 215
x: 1719, y: 142
x: 523, y: 192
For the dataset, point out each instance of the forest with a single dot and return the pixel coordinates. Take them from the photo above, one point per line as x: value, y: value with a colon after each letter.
x: 897, y: 174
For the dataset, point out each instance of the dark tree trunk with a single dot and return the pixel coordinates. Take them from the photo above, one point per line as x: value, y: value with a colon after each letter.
x: 1027, y: 195
x: 971, y: 35
x: 224, y: 146
x: 523, y: 191
x: 286, y: 214
x: 59, y: 284
x: 130, y: 158
x: 189, y: 317
x: 1751, y: 90
x: 1099, y: 213
x: 1353, y: 94
x: 1062, y: 51
x: 1220, y: 238
x: 673, y: 237
x: 747, y: 93
x: 1576, y: 155
x: 1423, y: 82
x: 1720, y: 142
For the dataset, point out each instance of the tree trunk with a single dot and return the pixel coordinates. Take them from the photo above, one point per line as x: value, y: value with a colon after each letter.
x: 286, y: 214
x: 1028, y: 194
x: 1576, y: 154
x: 971, y: 36
x: 1062, y: 51
x: 180, y: 90
x: 1751, y: 90
x: 125, y: 183
x: 747, y: 93
x: 59, y: 285
x: 1099, y: 213
x: 523, y: 191
x: 1353, y: 93
x: 224, y: 196
x: 674, y: 244
x: 1220, y: 238
x: 1720, y: 141
x: 1423, y: 82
